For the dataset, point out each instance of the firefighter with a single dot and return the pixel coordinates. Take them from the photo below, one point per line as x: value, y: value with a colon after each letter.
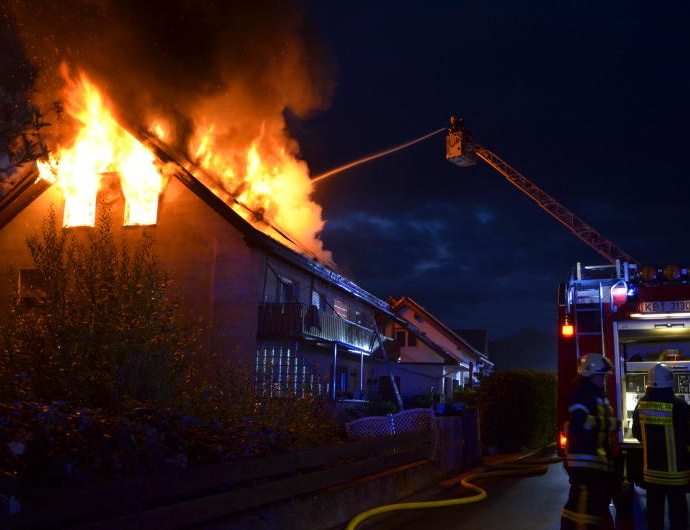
x: 457, y: 125
x: 661, y: 421
x: 588, y: 454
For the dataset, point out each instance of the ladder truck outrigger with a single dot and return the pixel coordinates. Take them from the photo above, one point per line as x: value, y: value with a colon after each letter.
x: 635, y: 315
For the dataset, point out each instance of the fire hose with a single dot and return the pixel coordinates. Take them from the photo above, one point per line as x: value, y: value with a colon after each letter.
x: 522, y: 465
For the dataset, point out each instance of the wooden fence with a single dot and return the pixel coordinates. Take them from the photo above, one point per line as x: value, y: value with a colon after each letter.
x: 200, y: 494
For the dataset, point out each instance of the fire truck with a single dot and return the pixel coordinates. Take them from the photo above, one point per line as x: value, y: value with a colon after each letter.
x: 635, y: 315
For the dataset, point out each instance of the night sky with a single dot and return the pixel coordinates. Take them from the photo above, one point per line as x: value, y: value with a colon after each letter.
x: 589, y: 100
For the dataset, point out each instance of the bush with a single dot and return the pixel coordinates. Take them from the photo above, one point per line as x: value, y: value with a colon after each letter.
x: 102, y: 375
x: 101, y: 328
x: 517, y: 409
x: 466, y: 396
x: 49, y: 445
x: 224, y: 390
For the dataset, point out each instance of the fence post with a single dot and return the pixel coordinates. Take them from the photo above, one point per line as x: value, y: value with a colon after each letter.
x: 457, y: 444
x: 448, y: 443
x: 472, y: 447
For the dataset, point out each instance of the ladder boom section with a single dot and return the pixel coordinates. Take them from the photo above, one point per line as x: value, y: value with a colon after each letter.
x: 576, y: 225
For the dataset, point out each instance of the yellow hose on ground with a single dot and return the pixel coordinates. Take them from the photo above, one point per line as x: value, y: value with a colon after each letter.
x: 520, y: 466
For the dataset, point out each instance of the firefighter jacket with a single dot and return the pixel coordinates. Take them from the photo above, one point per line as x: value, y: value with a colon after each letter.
x: 590, y: 422
x: 661, y: 421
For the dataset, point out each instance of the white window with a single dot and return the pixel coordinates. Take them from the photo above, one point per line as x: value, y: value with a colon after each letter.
x: 316, y: 299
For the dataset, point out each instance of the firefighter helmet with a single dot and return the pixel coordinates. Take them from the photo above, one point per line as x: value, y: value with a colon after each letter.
x: 595, y: 363
x: 660, y: 376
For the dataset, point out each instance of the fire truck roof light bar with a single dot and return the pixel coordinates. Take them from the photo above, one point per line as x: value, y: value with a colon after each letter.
x: 660, y: 315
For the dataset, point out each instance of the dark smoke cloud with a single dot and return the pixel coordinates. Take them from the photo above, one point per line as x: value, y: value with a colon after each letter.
x: 16, y: 81
x: 253, y: 60
x: 16, y: 72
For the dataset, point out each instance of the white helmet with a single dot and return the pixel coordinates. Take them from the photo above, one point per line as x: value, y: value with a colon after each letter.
x: 660, y: 376
x: 594, y: 363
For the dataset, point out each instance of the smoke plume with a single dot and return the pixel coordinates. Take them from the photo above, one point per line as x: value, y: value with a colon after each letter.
x: 183, y: 60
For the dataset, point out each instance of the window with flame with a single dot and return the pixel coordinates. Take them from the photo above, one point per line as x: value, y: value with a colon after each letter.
x: 99, y: 151
x: 141, y: 212
x: 138, y: 210
x: 341, y: 308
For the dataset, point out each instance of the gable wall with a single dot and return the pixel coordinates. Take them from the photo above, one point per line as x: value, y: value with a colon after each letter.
x: 214, y: 271
x: 14, y: 254
x: 435, y: 334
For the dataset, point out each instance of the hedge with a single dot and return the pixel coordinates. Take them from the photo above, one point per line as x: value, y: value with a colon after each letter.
x: 517, y: 409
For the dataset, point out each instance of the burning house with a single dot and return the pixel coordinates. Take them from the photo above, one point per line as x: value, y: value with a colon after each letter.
x: 304, y: 327
x: 173, y: 115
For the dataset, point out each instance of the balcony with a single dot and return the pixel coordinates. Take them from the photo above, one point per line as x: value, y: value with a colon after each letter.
x: 296, y: 321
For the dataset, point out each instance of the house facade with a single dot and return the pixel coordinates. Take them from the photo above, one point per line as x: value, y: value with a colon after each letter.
x: 431, y: 358
x: 301, y: 327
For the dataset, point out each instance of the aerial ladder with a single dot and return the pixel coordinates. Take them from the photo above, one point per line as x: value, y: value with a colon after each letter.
x: 463, y: 151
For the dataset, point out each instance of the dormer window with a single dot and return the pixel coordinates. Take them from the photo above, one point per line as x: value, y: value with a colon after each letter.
x: 141, y: 207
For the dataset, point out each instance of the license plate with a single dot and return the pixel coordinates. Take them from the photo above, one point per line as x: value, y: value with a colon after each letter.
x: 664, y: 307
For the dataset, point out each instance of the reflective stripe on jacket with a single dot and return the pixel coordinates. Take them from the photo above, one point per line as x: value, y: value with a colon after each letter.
x: 662, y: 423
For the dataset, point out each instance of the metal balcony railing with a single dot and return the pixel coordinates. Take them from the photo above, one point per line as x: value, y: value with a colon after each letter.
x: 291, y: 321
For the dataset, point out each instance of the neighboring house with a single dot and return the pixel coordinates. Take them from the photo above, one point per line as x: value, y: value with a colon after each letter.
x: 299, y: 326
x: 479, y: 340
x: 431, y: 358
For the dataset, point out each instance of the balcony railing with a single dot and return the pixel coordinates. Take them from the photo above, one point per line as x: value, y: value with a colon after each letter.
x: 298, y: 320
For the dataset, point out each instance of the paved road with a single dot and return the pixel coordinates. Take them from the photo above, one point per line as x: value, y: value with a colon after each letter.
x: 514, y: 503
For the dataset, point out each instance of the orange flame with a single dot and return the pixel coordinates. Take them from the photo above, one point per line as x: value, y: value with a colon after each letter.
x: 101, y: 146
x: 269, y: 180
x: 271, y: 186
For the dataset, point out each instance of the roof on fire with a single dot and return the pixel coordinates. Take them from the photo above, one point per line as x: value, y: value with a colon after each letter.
x: 28, y: 188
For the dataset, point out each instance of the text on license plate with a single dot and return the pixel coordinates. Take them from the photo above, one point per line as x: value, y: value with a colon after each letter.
x: 664, y: 307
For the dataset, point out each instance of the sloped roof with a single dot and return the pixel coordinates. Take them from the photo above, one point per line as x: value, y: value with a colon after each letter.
x: 27, y: 189
x: 397, y: 305
x: 421, y: 336
x: 23, y: 191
